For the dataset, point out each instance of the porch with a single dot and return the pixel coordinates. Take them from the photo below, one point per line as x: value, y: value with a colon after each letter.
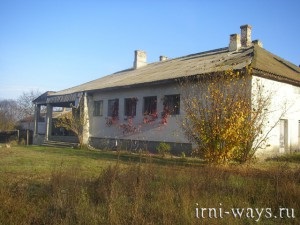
x: 46, y: 113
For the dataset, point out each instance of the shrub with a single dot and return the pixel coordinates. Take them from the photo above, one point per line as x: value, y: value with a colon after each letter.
x: 183, y: 155
x: 226, y: 115
x: 163, y: 148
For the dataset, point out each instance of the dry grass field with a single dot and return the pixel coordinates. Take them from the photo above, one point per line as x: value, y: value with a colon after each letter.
x: 43, y: 185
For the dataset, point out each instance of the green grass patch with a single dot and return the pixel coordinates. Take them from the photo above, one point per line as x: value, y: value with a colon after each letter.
x: 43, y: 185
x: 294, y: 158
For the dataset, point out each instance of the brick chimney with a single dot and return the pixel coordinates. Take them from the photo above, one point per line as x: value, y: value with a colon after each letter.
x: 258, y: 42
x: 235, y: 42
x: 246, y: 35
x: 163, y: 58
x: 140, y: 59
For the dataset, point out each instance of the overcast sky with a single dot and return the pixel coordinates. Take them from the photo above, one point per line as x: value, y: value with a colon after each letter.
x: 56, y: 44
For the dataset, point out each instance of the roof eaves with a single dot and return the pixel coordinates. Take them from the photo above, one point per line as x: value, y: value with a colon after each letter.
x: 42, y: 98
x: 276, y: 77
x: 64, y: 98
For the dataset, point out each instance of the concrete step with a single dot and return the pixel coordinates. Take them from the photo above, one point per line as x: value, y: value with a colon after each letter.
x: 59, y: 144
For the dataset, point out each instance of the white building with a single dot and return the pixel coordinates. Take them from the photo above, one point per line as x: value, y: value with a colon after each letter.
x: 126, y: 109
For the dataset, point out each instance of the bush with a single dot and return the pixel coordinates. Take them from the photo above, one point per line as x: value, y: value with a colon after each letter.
x: 224, y: 117
x: 183, y: 155
x: 163, y: 148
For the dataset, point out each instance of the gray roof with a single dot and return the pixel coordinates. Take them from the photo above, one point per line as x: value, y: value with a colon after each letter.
x: 43, y: 97
x: 204, y: 62
x: 194, y: 64
x: 275, y: 67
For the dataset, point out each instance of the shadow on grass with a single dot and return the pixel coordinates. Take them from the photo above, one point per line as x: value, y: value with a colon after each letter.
x: 123, y: 156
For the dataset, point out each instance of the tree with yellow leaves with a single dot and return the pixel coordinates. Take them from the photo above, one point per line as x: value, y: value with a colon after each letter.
x: 222, y: 117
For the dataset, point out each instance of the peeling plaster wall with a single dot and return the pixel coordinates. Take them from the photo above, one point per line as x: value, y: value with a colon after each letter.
x: 285, y: 98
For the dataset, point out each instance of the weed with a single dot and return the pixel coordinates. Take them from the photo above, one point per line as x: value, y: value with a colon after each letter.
x: 163, y: 148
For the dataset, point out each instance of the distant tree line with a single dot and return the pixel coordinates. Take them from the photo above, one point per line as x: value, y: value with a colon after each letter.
x: 12, y: 111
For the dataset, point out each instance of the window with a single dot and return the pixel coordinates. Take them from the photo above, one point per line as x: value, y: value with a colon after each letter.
x: 130, y: 106
x: 172, y: 104
x: 150, y: 105
x: 113, y: 108
x: 98, y: 108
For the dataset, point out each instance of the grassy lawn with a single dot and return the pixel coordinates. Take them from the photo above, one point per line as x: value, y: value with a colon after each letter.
x: 41, y: 160
x: 43, y: 185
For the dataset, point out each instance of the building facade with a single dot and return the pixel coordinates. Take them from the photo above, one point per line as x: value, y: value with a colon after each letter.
x: 142, y: 106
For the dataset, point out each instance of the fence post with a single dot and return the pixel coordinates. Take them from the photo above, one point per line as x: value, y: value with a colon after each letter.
x: 27, y: 137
